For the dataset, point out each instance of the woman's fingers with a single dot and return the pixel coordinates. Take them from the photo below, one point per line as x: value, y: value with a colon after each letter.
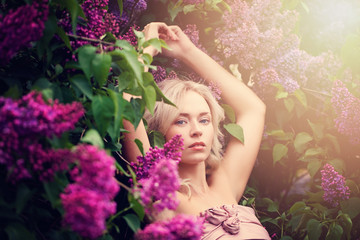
x: 159, y: 30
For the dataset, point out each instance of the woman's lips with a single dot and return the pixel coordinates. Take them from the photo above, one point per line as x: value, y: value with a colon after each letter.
x: 197, y: 146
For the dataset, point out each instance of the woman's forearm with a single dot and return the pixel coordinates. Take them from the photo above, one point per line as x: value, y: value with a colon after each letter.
x: 234, y: 92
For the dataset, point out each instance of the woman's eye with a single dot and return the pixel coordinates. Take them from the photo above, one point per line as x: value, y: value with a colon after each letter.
x: 205, y: 121
x: 180, y: 122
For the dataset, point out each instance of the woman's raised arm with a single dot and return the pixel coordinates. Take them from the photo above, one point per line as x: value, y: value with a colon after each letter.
x: 152, y: 30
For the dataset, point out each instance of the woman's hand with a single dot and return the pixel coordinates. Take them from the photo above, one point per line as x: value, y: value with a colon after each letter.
x: 174, y: 37
x: 157, y: 30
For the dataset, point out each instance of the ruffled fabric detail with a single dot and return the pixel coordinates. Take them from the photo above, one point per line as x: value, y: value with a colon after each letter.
x: 232, y: 222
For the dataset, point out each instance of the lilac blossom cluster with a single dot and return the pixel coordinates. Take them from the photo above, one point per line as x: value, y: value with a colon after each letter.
x: 21, y: 26
x: 347, y: 110
x: 99, y: 21
x: 159, y: 74
x: 23, y: 123
x: 333, y: 185
x: 172, y: 150
x: 158, y: 191
x: 88, y: 202
x: 253, y: 30
x: 180, y: 227
x: 157, y: 175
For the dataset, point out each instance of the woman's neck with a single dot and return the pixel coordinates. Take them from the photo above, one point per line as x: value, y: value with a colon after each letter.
x: 195, y: 175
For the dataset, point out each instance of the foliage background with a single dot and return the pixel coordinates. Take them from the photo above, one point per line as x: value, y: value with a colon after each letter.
x: 291, y: 52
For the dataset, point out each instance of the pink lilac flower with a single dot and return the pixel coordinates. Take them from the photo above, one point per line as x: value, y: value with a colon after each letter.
x: 21, y: 26
x: 347, y: 110
x: 88, y: 202
x: 333, y: 185
x: 23, y: 125
x: 180, y: 227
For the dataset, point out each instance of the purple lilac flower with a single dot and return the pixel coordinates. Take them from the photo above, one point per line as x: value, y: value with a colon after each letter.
x: 23, y: 123
x: 159, y: 74
x: 158, y: 191
x: 180, y: 227
x: 253, y: 30
x: 157, y: 175
x: 262, y: 83
x: 172, y: 150
x: 347, y: 110
x: 88, y: 202
x: 20, y: 27
x: 215, y: 90
x: 333, y: 185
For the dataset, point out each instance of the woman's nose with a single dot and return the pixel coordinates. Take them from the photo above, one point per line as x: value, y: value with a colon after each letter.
x: 195, y: 130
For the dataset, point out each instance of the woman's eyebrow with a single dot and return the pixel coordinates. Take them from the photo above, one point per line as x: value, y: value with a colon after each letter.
x: 188, y: 115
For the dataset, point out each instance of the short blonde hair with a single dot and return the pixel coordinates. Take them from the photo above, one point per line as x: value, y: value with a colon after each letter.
x: 164, y: 114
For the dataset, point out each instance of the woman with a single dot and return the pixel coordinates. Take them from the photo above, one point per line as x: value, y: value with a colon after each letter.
x: 217, y: 181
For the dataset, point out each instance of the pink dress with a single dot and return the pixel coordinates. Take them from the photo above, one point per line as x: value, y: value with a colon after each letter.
x: 232, y: 222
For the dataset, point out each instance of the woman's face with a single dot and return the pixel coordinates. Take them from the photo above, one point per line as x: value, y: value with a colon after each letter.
x: 194, y: 123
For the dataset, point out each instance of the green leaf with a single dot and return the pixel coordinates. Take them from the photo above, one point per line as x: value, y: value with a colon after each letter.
x: 120, y: 106
x: 136, y: 206
x: 334, y: 141
x: 271, y: 205
x: 189, y: 8
x: 300, y: 95
x: 82, y: 84
x: 235, y: 130
x: 23, y: 195
x: 133, y: 221
x: 335, y: 232
x: 279, y: 151
x: 229, y: 112
x: 16, y: 231
x: 289, y: 104
x: 93, y: 137
x: 313, y: 167
x: 296, y: 206
x: 318, y: 130
x: 103, y: 111
x: 127, y: 59
x: 281, y: 94
x: 75, y: 11
x: 346, y: 223
x: 351, y: 207
x: 311, y: 152
x: 139, y: 144
x: 121, y: 6
x: 150, y: 98
x: 174, y: 9
x: 301, y: 141
x: 53, y: 190
x: 314, y: 229
x: 101, y: 66
x: 156, y: 138
x: 63, y: 36
x: 86, y: 55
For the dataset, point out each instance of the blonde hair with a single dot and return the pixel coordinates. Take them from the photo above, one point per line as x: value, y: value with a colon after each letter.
x: 164, y: 114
